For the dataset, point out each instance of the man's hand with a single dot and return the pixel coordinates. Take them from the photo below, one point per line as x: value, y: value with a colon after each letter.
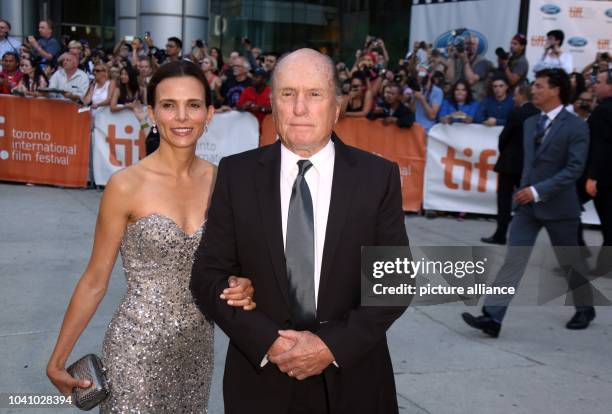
x: 310, y: 356
x: 239, y: 293
x: 280, y: 346
x: 524, y: 196
x: 490, y: 121
x: 591, y: 187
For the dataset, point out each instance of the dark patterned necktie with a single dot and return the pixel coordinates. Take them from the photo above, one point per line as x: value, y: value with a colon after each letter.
x: 299, y: 250
x: 540, y: 130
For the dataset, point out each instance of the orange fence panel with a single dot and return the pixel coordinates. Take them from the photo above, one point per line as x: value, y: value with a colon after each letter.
x: 44, y: 141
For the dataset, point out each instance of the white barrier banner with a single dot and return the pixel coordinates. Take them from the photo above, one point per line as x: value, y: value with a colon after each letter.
x: 119, y: 142
x: 587, y: 25
x: 459, y: 172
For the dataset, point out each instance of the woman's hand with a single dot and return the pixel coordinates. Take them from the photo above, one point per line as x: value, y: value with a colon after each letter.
x: 239, y: 293
x: 63, y: 381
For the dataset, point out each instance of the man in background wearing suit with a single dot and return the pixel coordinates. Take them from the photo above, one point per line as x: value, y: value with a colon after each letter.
x: 555, y: 151
x: 510, y: 162
x: 293, y: 216
x: 599, y: 182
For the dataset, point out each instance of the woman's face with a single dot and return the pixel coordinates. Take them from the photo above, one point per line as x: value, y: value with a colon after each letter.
x: 460, y: 93
x: 100, y: 72
x: 26, y: 67
x: 214, y: 53
x: 357, y: 87
x: 206, y: 65
x: 180, y: 111
x: 124, y: 77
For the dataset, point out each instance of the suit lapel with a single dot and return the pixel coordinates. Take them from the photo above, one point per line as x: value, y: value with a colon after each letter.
x: 344, y: 181
x: 556, y: 125
x: 267, y: 182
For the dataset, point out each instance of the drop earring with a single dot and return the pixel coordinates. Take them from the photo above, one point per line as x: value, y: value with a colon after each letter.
x: 154, y: 129
x: 205, y: 128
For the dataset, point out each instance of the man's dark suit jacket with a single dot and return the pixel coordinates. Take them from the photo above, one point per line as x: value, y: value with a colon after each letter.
x: 244, y: 237
x: 555, y: 166
x: 600, y: 162
x: 510, y: 145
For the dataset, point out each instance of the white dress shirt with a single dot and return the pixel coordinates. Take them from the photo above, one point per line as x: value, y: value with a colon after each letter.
x: 319, y: 178
x: 551, y: 117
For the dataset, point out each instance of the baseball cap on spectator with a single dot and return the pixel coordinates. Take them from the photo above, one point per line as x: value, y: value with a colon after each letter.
x: 260, y: 72
x: 520, y: 38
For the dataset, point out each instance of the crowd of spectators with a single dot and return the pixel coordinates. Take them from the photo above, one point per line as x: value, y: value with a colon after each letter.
x: 427, y: 86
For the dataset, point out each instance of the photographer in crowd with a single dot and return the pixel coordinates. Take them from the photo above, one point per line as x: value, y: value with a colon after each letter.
x: 464, y: 63
x: 427, y: 98
x: 514, y: 65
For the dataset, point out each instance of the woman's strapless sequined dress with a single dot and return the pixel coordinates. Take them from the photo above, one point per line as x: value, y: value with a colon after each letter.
x: 158, y: 348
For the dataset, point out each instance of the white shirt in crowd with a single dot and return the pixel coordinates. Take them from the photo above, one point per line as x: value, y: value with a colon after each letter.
x: 551, y: 115
x: 77, y: 84
x: 100, y: 94
x: 9, y: 44
x: 563, y: 61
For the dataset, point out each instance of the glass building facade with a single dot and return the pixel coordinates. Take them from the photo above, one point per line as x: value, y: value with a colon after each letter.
x: 337, y: 27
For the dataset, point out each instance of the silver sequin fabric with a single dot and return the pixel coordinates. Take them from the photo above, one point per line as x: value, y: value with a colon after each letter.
x: 158, y: 348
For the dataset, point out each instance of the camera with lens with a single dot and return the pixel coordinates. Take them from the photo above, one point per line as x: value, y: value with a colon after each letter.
x: 458, y: 39
x: 413, y: 83
x: 502, y: 54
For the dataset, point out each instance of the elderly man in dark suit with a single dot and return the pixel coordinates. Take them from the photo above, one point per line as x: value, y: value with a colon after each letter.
x: 293, y: 217
x: 510, y: 162
x: 555, y: 151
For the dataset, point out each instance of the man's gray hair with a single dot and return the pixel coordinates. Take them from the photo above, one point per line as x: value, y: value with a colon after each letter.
x: 328, y: 62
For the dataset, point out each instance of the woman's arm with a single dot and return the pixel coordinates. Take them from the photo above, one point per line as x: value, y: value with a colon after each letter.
x: 91, y: 288
x: 114, y: 107
x: 367, y: 106
x: 89, y: 94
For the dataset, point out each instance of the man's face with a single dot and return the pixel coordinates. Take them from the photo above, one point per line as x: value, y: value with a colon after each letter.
x: 304, y: 102
x: 269, y: 62
x: 4, y: 30
x: 542, y: 93
x: 69, y: 62
x: 392, y: 95
x: 585, y: 102
x: 519, y: 99
x: 144, y: 68
x: 239, y: 68
x: 258, y: 81
x: 516, y: 48
x: 172, y: 49
x: 256, y: 52
x: 500, y: 89
x: 601, y: 88
x: 552, y: 41
x: 44, y: 30
x: 234, y: 58
x: 9, y: 63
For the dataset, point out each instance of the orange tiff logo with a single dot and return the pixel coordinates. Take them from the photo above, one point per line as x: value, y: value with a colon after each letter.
x: 603, y: 44
x: 576, y: 12
x: 127, y: 144
x: 450, y: 162
x: 538, y: 40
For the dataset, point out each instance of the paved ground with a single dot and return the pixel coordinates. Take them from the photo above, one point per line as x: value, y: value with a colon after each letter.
x: 536, y: 366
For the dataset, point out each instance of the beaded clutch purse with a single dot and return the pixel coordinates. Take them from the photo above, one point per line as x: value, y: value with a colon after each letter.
x: 89, y: 367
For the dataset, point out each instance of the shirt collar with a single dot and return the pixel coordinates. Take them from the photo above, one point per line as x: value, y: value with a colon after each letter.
x: 319, y: 160
x: 553, y: 113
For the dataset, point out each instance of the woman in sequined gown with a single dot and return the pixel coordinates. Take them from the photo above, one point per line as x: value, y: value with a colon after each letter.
x: 158, y: 349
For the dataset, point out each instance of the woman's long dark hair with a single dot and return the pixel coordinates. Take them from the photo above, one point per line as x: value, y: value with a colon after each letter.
x: 468, y: 98
x: 178, y: 69
x: 220, y: 62
x: 132, y: 85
